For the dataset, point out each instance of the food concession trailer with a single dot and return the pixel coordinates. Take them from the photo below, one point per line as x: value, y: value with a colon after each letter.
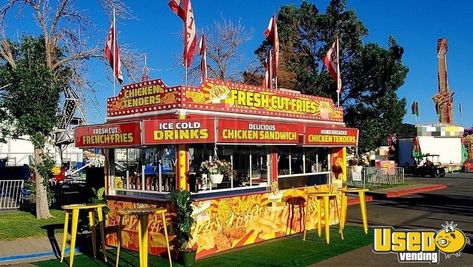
x: 278, y: 143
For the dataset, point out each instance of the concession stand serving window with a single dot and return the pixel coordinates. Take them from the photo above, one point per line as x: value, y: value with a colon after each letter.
x: 271, y: 141
x: 299, y: 166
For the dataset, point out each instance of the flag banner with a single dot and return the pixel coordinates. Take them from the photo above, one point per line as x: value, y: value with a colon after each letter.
x: 271, y: 34
x: 183, y: 9
x: 112, y: 54
x: 460, y: 108
x: 203, y: 54
x: 331, y: 61
x: 179, y: 8
x: 415, y: 108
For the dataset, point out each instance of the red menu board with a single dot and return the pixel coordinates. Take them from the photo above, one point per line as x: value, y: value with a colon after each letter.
x: 189, y: 131
x: 331, y: 136
x: 108, y: 135
x: 241, y: 131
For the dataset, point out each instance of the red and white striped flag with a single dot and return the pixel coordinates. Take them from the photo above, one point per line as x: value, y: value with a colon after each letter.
x: 113, y: 57
x: 271, y: 34
x: 203, y: 54
x: 183, y: 9
x: 332, y: 63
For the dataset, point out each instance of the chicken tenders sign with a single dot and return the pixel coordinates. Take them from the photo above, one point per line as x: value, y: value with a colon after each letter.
x: 331, y: 136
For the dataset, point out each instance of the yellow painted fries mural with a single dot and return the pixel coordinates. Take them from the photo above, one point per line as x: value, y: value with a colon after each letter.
x: 227, y: 223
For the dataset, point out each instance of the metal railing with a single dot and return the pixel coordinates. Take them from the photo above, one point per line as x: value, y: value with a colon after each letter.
x: 20, y: 158
x: 376, y: 177
x: 10, y: 194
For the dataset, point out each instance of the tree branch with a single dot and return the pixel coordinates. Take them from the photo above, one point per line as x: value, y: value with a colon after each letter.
x: 5, y: 52
x: 93, y: 53
x: 59, y: 13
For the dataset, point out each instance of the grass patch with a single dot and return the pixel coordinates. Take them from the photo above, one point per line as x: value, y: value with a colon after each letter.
x: 385, y: 186
x: 23, y: 224
x: 290, y: 251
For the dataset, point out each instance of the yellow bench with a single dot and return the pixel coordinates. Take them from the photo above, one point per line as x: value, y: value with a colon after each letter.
x: 73, y: 210
x: 142, y: 214
x: 361, y: 195
x: 325, y: 197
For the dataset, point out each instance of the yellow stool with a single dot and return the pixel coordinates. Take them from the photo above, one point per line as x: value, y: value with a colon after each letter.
x: 361, y: 195
x: 142, y: 214
x: 325, y: 196
x: 74, y: 210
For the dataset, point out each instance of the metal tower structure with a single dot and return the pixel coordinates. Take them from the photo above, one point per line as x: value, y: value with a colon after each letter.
x: 444, y: 98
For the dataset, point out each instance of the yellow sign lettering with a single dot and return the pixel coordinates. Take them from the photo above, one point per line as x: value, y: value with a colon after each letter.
x: 182, y: 134
x: 399, y: 241
x: 103, y: 139
x: 382, y: 239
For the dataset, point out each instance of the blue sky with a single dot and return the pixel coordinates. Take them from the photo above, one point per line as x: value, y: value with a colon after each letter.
x: 416, y: 25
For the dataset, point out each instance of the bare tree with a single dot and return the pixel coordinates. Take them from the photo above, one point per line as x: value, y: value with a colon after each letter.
x: 224, y: 41
x: 67, y: 29
x: 224, y: 56
x: 64, y: 26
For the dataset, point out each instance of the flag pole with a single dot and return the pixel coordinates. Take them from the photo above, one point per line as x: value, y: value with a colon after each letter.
x: 461, y: 114
x: 270, y: 69
x: 276, y: 82
x: 275, y: 47
x: 185, y: 49
x: 338, y: 74
x: 185, y: 64
x: 338, y: 98
x: 113, y: 49
x: 275, y: 69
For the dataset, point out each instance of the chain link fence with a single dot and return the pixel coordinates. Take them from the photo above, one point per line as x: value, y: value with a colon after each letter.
x: 373, y: 177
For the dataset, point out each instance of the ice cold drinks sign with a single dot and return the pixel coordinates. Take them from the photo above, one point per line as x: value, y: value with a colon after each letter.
x: 178, y: 131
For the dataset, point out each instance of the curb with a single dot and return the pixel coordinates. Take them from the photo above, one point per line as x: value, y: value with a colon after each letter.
x: 405, y: 192
x: 31, y: 256
x: 355, y: 200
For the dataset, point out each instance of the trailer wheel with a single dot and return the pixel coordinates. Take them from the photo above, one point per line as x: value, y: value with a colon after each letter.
x: 442, y: 172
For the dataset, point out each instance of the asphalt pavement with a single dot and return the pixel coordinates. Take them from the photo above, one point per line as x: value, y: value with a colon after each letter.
x: 418, y: 211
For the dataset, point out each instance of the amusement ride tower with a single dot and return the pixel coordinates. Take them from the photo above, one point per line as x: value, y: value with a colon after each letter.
x: 444, y: 98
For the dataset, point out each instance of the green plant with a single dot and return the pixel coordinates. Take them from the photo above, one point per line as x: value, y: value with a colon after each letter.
x: 183, y: 224
x: 99, y: 198
x: 98, y: 195
x: 215, y: 167
x: 358, y: 161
